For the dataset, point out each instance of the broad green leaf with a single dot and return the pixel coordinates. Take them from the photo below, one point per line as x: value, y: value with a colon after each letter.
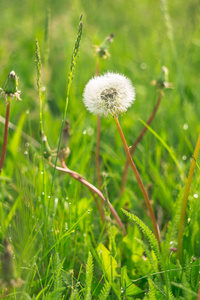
x: 129, y: 288
x: 109, y: 264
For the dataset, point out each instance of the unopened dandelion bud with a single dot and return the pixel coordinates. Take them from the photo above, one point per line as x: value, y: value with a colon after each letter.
x: 11, y: 83
x: 162, y: 81
x: 111, y: 93
x: 9, y: 88
x: 102, y: 49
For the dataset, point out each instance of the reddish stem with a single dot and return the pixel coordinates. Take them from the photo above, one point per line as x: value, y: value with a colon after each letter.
x: 138, y: 139
x: 94, y: 192
x: 140, y: 183
x: 3, y: 154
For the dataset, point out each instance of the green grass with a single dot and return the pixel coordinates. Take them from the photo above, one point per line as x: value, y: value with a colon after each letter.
x: 62, y: 249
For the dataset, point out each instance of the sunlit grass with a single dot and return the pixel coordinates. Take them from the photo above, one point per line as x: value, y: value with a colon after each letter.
x: 62, y: 248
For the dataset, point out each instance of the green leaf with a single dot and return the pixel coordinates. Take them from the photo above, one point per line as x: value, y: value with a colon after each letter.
x: 130, y: 289
x: 16, y: 138
x: 109, y: 264
x: 171, y: 152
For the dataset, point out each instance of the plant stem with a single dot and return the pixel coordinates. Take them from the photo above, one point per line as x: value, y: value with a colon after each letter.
x: 93, y: 190
x: 147, y: 201
x: 98, y: 151
x: 185, y: 198
x: 3, y: 154
x: 98, y: 168
x: 138, y: 139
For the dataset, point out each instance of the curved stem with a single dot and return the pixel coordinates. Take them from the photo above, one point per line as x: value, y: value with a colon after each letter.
x: 138, y: 139
x: 185, y: 198
x: 3, y: 154
x: 147, y: 201
x: 93, y: 190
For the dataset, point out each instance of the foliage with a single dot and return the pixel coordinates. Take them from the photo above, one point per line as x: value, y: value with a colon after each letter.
x: 62, y: 248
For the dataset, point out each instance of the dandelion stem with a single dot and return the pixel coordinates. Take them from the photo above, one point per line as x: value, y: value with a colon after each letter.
x: 185, y: 198
x: 3, y: 154
x: 98, y: 151
x: 98, y: 138
x: 138, y: 139
x: 147, y: 201
x: 97, y: 67
x: 93, y: 190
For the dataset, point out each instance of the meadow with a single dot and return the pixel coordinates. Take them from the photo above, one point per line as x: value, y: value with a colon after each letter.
x: 74, y: 232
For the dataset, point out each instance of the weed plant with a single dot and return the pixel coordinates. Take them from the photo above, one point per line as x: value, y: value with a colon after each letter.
x: 68, y: 228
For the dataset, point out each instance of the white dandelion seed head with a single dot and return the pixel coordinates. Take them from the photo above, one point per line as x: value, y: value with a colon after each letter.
x: 111, y: 93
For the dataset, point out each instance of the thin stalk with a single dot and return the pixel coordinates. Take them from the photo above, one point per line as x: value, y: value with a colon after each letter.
x: 138, y: 139
x: 93, y: 190
x: 185, y: 198
x: 69, y: 83
x: 5, y: 139
x: 99, y: 207
x: 98, y: 152
x: 98, y: 167
x: 135, y: 171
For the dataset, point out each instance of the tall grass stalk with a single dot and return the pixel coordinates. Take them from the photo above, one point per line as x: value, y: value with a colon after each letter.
x: 170, y: 35
x: 70, y: 78
x: 39, y: 84
x: 141, y: 185
x: 185, y: 199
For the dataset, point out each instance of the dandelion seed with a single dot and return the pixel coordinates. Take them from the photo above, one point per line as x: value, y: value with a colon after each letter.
x: 185, y: 126
x: 196, y: 196
x: 110, y: 93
